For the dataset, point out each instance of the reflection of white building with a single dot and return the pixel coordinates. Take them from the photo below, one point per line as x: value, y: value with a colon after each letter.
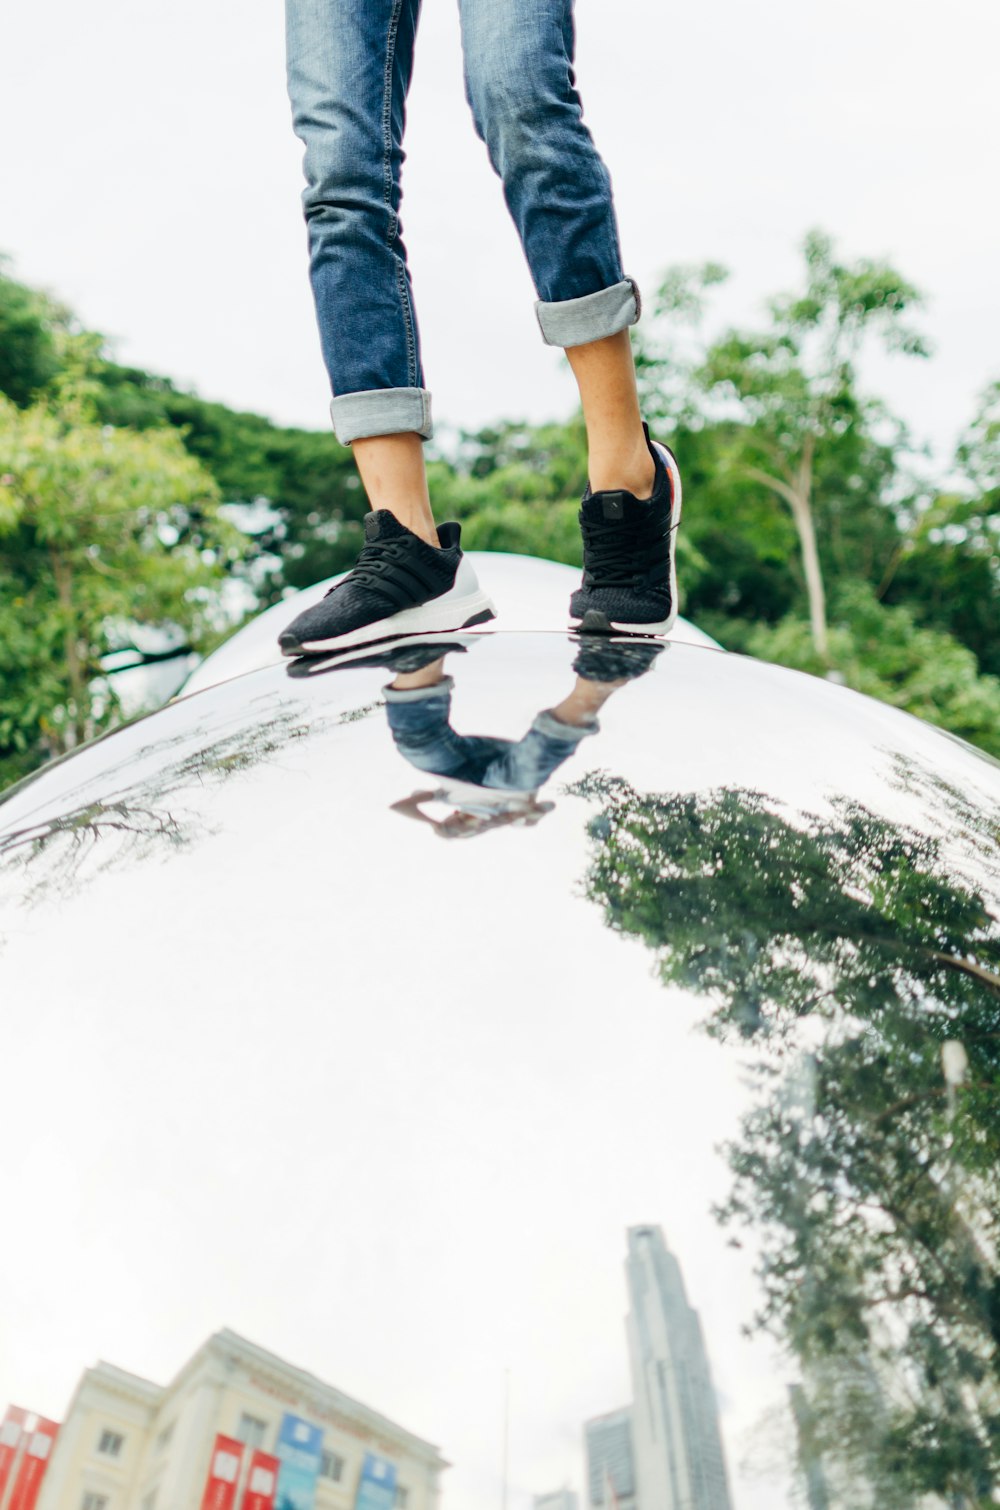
x: 610, y: 1460
x: 562, y: 1499
x: 675, y: 1419
x: 128, y: 1444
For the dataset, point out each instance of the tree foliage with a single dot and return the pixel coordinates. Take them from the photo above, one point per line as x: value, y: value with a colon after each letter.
x: 99, y: 528
x: 802, y: 433
x: 867, y: 1168
x: 29, y: 354
x: 808, y: 538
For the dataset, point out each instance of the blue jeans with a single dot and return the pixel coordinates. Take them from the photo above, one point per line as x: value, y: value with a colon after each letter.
x: 420, y: 721
x: 349, y: 69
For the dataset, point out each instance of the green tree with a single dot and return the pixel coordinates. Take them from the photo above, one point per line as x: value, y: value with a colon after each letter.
x: 29, y: 354
x: 903, y: 589
x: 946, y: 566
x: 296, y: 492
x: 884, y: 651
x: 800, y: 430
x: 868, y: 1166
x: 516, y: 487
x: 99, y: 528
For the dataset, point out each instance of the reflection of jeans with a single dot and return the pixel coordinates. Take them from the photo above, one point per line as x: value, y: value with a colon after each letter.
x: 349, y: 69
x: 419, y: 721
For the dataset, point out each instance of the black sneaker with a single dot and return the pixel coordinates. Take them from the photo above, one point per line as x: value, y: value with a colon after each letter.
x: 602, y: 660
x: 400, y: 585
x: 629, y: 555
x: 402, y: 655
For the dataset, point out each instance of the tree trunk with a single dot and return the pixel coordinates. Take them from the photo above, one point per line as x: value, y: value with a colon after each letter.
x: 802, y: 514
x: 798, y: 495
x: 74, y: 669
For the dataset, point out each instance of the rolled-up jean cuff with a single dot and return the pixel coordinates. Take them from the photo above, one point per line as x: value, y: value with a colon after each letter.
x: 553, y: 728
x: 381, y: 411
x: 419, y: 694
x: 574, y: 322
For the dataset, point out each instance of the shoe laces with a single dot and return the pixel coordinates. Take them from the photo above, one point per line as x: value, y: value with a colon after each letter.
x: 377, y: 559
x: 611, y: 546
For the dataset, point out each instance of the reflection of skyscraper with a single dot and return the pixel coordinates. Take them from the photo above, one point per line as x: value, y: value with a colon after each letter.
x: 610, y: 1456
x: 675, y: 1420
x: 562, y: 1499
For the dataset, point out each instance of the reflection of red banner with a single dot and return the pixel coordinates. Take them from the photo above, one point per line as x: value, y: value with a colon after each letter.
x: 262, y: 1481
x: 223, y: 1471
x: 37, y: 1451
x: 10, y: 1441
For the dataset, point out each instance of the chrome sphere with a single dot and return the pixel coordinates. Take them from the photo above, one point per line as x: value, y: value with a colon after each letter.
x: 385, y: 1026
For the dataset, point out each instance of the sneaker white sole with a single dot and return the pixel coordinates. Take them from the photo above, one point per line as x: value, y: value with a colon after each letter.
x: 438, y: 616
x: 612, y: 626
x: 347, y: 655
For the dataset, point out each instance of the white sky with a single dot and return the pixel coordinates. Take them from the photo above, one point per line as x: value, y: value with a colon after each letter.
x: 154, y: 183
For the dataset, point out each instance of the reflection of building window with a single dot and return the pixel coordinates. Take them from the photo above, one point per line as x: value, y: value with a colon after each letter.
x: 251, y: 1431
x: 164, y: 1436
x: 402, y: 1496
x: 95, y: 1502
x: 331, y: 1467
x: 111, y: 1443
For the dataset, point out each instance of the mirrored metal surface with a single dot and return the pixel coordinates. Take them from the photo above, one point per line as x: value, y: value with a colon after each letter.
x: 656, y: 1116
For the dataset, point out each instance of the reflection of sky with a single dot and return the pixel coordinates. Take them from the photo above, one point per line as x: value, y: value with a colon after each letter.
x: 390, y: 1119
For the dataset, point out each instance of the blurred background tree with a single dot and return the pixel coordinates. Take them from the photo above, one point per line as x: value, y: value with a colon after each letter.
x: 100, y: 529
x: 814, y: 534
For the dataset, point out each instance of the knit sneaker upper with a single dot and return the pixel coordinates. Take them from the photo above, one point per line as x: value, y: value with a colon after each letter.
x: 396, y: 570
x: 602, y: 660
x: 627, y: 546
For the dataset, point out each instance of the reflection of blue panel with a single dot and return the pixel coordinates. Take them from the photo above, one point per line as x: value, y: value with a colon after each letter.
x: 300, y: 1447
x: 377, y: 1485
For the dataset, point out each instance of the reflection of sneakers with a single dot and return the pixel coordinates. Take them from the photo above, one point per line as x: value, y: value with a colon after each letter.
x: 404, y: 655
x: 629, y: 566
x: 604, y: 660
x: 400, y: 585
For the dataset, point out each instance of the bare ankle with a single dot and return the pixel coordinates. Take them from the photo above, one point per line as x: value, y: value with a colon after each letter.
x: 394, y: 477
x: 632, y: 471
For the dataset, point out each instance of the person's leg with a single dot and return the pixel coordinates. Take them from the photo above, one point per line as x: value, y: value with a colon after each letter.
x: 349, y: 69
x: 521, y: 87
x: 395, y: 478
x: 618, y: 456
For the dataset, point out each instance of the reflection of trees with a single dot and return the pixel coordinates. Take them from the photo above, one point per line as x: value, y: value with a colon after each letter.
x: 866, y: 967
x: 101, y: 824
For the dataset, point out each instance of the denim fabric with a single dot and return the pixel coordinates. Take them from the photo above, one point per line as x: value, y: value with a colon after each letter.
x: 572, y: 322
x: 349, y: 68
x: 422, y: 731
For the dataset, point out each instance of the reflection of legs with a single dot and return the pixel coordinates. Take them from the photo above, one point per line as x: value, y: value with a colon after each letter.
x: 427, y: 676
x: 418, y: 707
x: 418, y: 704
x: 584, y: 703
x: 601, y: 668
